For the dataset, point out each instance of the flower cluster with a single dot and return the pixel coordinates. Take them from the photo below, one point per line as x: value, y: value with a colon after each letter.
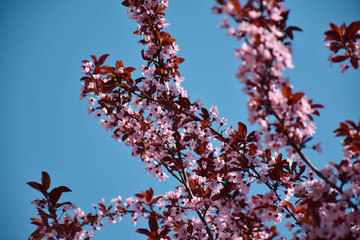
x: 55, y: 221
x: 344, y: 38
x: 285, y: 117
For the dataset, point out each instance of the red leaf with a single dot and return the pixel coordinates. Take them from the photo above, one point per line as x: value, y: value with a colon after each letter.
x: 160, y: 8
x: 184, y: 102
x: 55, y: 194
x: 143, y: 231
x: 221, y: 2
x: 45, y: 180
x: 332, y: 36
x: 354, y: 148
x: 153, y: 223
x: 354, y: 62
x: 286, y: 91
x: 36, y: 221
x: 102, y: 59
x: 126, y: 3
x: 119, y: 64
x: 139, y: 195
x: 297, y: 96
x: 317, y: 106
x: 44, y: 217
x: 352, y: 29
x: 289, y: 204
x: 94, y: 58
x: 130, y: 69
x: 124, y: 137
x: 167, y: 40
x: 315, y: 112
x: 351, y: 123
x: 289, y: 31
x: 187, y: 120
x: 339, y: 58
x: 205, y: 114
x: 164, y: 232
x: 294, y: 28
x: 148, y: 195
x: 242, y: 130
x: 336, y: 46
x: 192, y: 184
x: 37, y: 186
x: 86, y: 78
x: 217, y: 197
x: 178, y: 61
x: 337, y: 30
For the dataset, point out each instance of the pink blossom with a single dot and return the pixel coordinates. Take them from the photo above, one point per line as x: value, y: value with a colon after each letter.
x: 120, y: 70
x: 91, y: 85
x: 67, y: 218
x: 87, y: 67
x: 97, y: 76
x: 79, y: 213
x: 344, y: 67
x: 326, y: 171
x: 104, y: 111
x: 317, y: 147
x: 214, y: 111
x: 52, y: 234
x: 254, y: 14
x: 37, y: 203
x: 117, y: 200
x: 224, y: 23
x: 162, y: 176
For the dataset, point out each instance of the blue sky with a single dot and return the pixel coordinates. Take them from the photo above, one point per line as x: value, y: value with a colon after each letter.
x: 44, y: 126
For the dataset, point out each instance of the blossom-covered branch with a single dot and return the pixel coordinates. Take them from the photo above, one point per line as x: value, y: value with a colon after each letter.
x: 216, y: 166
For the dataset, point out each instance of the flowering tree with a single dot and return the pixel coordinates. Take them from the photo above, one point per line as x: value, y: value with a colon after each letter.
x: 217, y: 165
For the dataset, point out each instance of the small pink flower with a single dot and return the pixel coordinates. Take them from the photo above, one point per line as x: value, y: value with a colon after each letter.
x: 160, y: 204
x: 289, y: 225
x: 111, y: 220
x: 90, y: 110
x: 88, y: 64
x: 224, y: 23
x: 36, y: 203
x: 87, y: 67
x: 79, y: 213
x: 52, y: 234
x: 91, y: 85
x: 91, y: 101
x: 117, y: 200
x: 326, y: 171
x: 104, y: 111
x: 67, y: 218
x: 254, y: 14
x: 223, y: 121
x: 97, y: 76
x: 120, y: 70
x: 162, y: 176
x: 214, y: 111
x: 86, y: 71
x: 344, y: 67
x: 231, y: 32
x: 317, y: 148
x: 178, y: 80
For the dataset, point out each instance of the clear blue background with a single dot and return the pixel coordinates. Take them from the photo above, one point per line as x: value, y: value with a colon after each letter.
x: 44, y: 126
